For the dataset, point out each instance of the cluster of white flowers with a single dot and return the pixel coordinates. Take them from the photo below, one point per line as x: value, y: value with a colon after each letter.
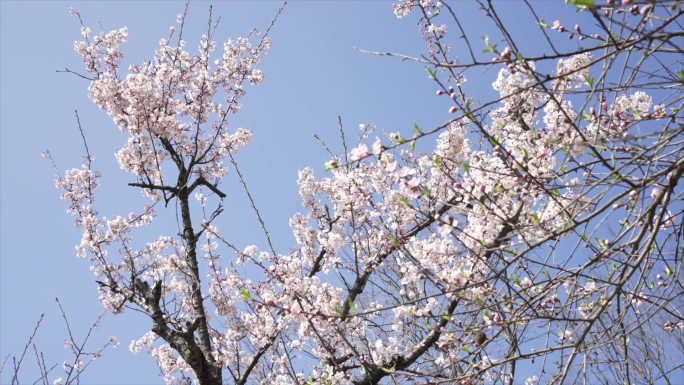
x: 574, y: 71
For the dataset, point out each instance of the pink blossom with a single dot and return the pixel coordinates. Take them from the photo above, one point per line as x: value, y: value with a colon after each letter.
x: 359, y: 152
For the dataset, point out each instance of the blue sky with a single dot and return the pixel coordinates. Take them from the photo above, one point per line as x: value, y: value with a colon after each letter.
x: 313, y: 75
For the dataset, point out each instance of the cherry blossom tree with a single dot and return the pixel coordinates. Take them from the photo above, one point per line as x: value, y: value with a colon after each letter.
x: 532, y: 238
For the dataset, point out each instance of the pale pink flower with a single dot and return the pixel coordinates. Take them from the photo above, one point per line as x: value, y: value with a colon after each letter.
x: 359, y: 152
x: 377, y: 147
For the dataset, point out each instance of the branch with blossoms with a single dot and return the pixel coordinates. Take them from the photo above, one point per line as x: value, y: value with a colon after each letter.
x: 539, y: 240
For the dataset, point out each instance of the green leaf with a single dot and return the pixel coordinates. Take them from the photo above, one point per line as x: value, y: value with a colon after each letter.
x: 467, y: 349
x: 536, y: 219
x: 590, y: 80
x: 427, y: 191
x: 681, y: 75
x: 353, y: 306
x: 245, y: 294
x: 436, y: 161
x: 488, y: 45
x: 583, y: 4
x: 405, y: 201
x: 416, y: 128
x: 394, y: 241
x: 388, y: 370
x: 564, y: 168
x: 554, y: 191
x: 494, y: 141
x: 668, y: 272
x: 412, y: 145
x: 466, y: 166
x: 543, y: 23
x: 447, y: 317
x: 602, y: 244
x: 431, y: 73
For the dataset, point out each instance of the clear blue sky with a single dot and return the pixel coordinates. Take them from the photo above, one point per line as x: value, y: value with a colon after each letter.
x: 313, y: 75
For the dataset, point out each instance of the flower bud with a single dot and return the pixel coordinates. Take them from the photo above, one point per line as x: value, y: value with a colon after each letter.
x: 646, y: 9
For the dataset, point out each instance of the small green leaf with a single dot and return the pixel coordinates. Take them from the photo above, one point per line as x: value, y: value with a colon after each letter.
x: 466, y: 166
x: 394, y: 241
x: 543, y: 23
x: 436, y: 161
x: 602, y: 244
x: 416, y: 128
x: 245, y: 294
x: 412, y: 145
x: 405, y: 201
x: 668, y: 272
x: 467, y: 349
x: 388, y: 370
x: 681, y: 75
x: 494, y: 141
x: 583, y: 4
x: 431, y: 73
x: 447, y: 317
x: 488, y: 45
x: 590, y: 80
x: 353, y: 306
x: 554, y: 191
x: 536, y: 218
x: 564, y: 168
